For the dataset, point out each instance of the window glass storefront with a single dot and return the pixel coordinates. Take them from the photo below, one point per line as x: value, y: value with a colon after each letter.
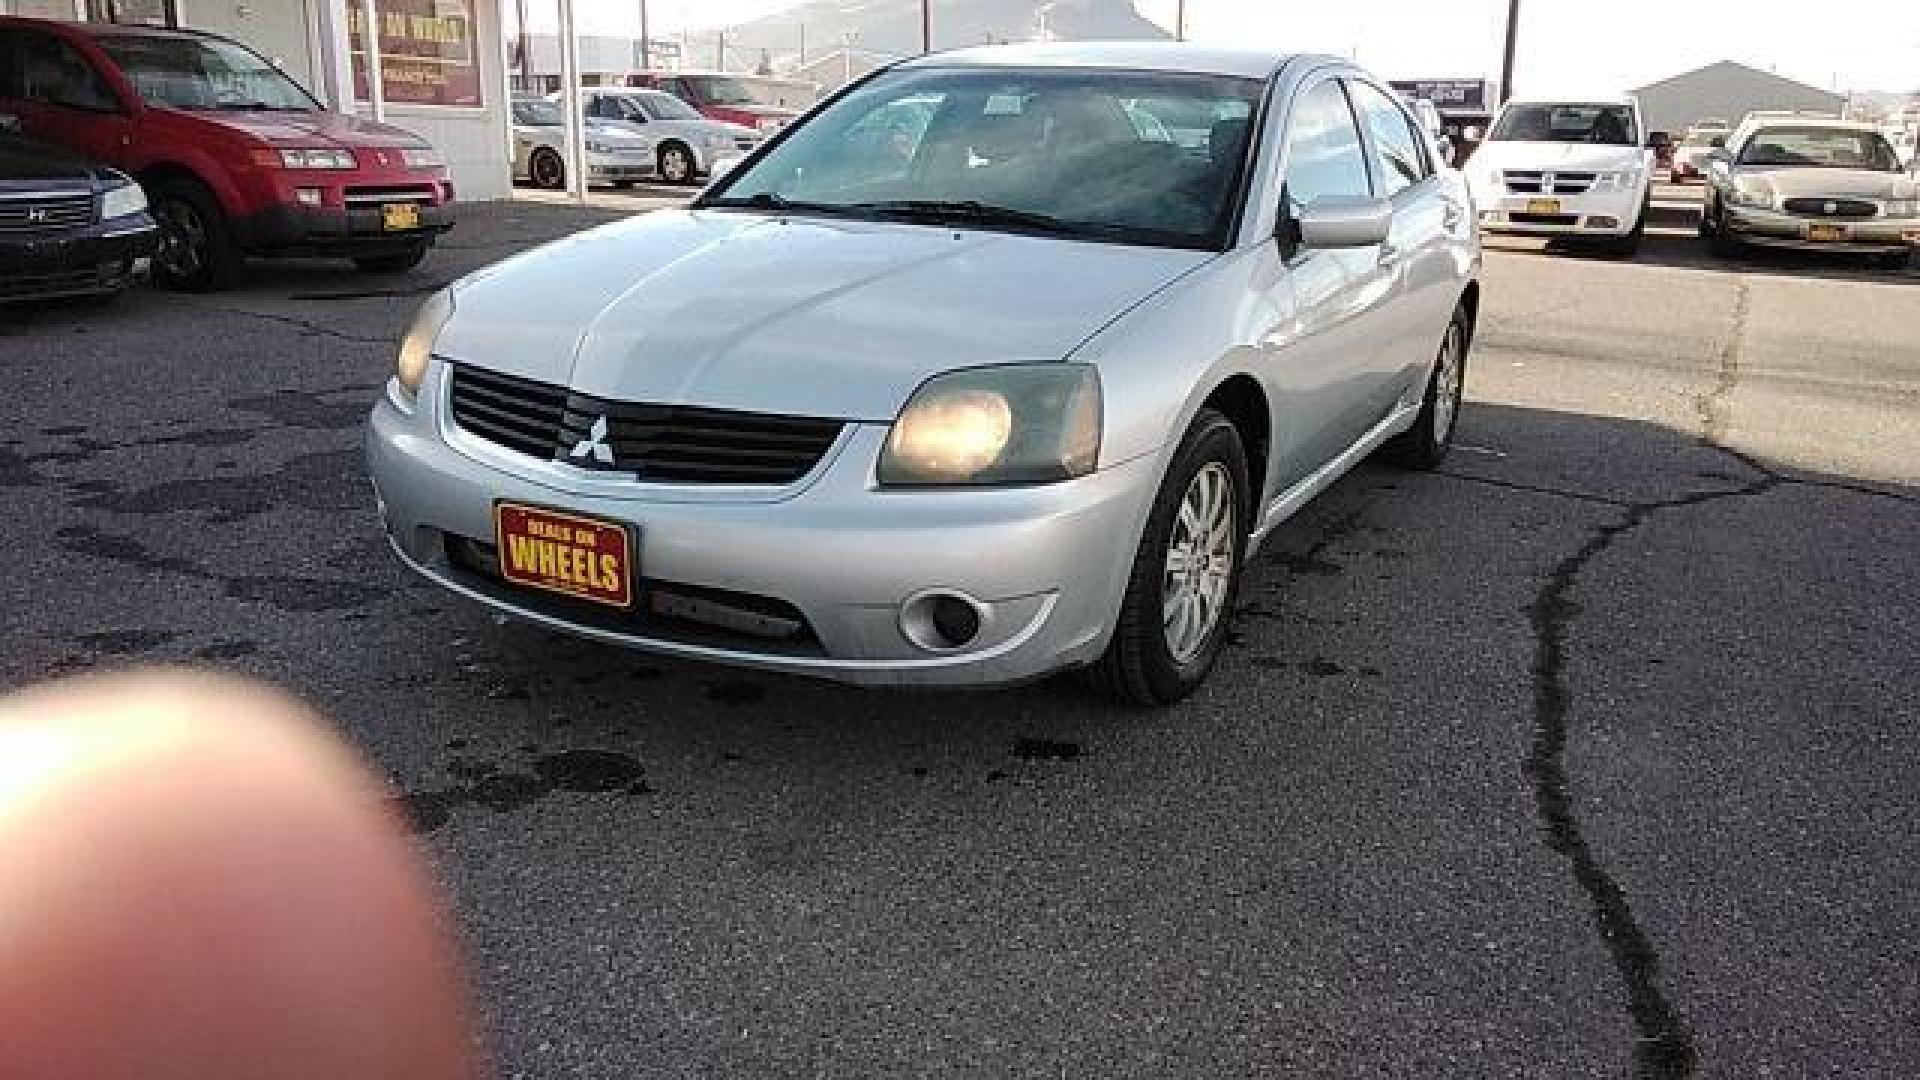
x: 428, y: 53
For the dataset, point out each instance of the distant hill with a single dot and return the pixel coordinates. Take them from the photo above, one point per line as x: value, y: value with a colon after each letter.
x: 893, y: 26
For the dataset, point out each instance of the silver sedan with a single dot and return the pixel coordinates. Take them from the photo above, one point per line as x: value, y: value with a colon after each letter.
x: 1811, y: 183
x: 616, y: 154
x: 1019, y: 392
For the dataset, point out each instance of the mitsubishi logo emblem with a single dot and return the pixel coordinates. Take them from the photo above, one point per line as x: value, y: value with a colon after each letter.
x: 594, y: 445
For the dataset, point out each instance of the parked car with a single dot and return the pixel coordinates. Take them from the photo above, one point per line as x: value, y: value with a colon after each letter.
x: 725, y: 96
x: 1575, y: 170
x: 616, y: 153
x: 68, y: 226
x: 1691, y: 156
x: 1023, y: 401
x: 237, y: 159
x: 1799, y: 183
x: 685, y: 143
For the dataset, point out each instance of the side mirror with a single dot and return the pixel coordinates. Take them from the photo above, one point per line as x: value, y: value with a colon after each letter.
x: 1326, y: 225
x: 1660, y: 140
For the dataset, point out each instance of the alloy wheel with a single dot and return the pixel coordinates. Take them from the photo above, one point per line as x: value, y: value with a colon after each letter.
x: 547, y: 171
x: 675, y: 166
x: 1199, y: 563
x: 183, y: 239
x: 1448, y: 376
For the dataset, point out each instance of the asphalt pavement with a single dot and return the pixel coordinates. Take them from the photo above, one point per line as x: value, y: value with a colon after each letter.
x: 1591, y: 755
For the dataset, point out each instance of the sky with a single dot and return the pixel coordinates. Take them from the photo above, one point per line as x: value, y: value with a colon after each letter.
x: 1566, y: 47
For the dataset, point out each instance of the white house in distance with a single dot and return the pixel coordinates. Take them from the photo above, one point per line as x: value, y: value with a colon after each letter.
x: 1728, y: 91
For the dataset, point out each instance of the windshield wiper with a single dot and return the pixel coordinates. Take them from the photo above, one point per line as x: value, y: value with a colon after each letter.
x: 971, y: 212
x: 768, y: 200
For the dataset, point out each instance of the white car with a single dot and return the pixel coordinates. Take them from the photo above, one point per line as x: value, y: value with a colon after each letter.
x: 1579, y: 170
x: 963, y: 402
x: 686, y: 143
x: 616, y: 153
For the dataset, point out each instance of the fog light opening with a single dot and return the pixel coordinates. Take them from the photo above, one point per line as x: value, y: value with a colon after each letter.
x: 1604, y: 223
x: 308, y: 196
x: 942, y: 621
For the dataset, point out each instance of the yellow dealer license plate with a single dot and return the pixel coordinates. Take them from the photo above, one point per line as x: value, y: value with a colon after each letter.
x: 1543, y: 206
x: 564, y: 553
x: 399, y: 217
x: 1827, y: 234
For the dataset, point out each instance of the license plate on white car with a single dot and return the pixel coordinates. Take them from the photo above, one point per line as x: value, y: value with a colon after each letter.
x: 1543, y: 206
x: 1822, y: 233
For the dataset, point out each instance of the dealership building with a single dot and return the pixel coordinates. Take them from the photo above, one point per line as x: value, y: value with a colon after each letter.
x: 442, y: 63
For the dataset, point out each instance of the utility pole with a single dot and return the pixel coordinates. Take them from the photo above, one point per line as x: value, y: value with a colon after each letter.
x: 646, y: 40
x: 526, y: 47
x: 926, y: 26
x: 1180, y: 21
x: 720, y: 49
x: 1506, y: 63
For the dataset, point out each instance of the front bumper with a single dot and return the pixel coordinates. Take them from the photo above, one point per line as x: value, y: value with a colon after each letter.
x: 1866, y: 236
x: 633, y: 165
x: 101, y: 258
x: 1045, y: 564
x: 1612, y: 212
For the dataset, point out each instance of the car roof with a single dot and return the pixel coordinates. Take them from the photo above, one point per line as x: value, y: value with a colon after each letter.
x: 1136, y: 55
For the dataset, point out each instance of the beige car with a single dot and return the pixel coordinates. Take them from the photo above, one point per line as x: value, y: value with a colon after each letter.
x: 1811, y: 183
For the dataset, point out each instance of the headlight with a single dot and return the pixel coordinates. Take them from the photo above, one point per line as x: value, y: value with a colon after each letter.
x: 423, y: 157
x: 1902, y: 208
x: 317, y: 159
x: 122, y: 201
x: 416, y: 345
x: 1019, y: 424
x: 1751, y: 193
x: 1616, y: 181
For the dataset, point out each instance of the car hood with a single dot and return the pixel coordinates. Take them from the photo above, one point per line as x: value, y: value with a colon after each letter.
x: 795, y: 315
x: 310, y: 129
x: 27, y: 165
x: 1804, y: 183
x: 1571, y: 157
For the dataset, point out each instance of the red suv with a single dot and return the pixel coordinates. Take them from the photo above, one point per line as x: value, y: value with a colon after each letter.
x: 236, y: 158
x: 727, y: 98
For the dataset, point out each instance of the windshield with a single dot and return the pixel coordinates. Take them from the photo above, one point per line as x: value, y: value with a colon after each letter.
x: 1607, y: 125
x: 536, y: 113
x: 203, y: 74
x: 720, y: 90
x: 1819, y: 148
x: 1092, y: 154
x: 667, y: 107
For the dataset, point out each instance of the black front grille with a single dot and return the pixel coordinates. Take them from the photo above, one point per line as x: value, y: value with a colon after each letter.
x: 675, y: 444
x: 413, y: 193
x: 663, y: 611
x: 45, y: 213
x: 1831, y: 208
x: 1535, y: 182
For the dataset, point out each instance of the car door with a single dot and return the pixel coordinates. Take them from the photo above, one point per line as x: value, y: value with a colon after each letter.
x: 53, y: 92
x: 1322, y: 367
x: 1418, y: 256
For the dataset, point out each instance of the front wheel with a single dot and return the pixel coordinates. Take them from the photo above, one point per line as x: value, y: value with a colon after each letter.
x: 197, y: 251
x: 1186, y: 571
x: 546, y: 170
x: 1425, y: 444
x: 676, y: 164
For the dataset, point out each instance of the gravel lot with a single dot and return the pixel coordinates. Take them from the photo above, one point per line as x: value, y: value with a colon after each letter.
x: 1591, y: 755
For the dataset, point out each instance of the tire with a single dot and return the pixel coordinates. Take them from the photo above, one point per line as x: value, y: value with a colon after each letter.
x: 1628, y: 246
x: 197, y: 252
x: 1720, y: 239
x: 547, y: 171
x: 675, y: 162
x: 1424, y: 445
x: 1141, y: 666
x: 398, y: 262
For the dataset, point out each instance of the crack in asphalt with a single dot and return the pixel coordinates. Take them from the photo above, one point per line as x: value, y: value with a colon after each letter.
x: 308, y: 325
x: 1716, y: 405
x: 1537, y: 489
x: 1664, y: 1048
